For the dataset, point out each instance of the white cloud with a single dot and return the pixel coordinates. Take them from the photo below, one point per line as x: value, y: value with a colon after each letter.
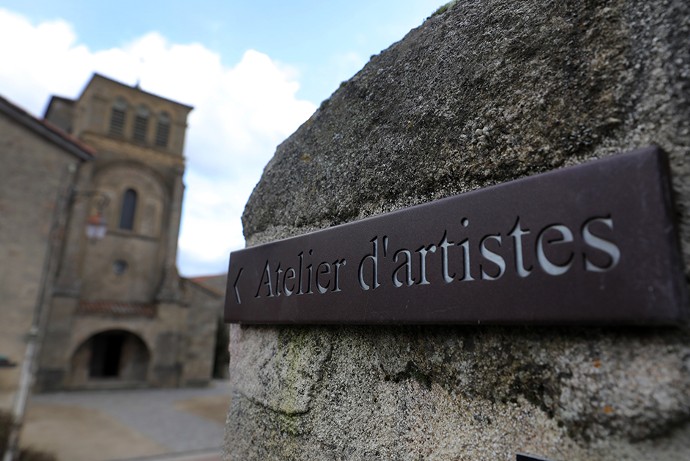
x: 241, y: 113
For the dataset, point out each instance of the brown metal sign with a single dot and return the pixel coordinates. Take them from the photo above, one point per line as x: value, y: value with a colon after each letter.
x: 589, y: 244
x: 523, y: 457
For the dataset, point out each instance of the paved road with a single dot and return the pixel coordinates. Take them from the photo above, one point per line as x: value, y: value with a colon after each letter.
x: 155, y: 414
x: 206, y: 455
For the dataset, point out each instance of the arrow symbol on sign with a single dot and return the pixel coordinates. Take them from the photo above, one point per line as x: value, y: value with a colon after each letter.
x: 237, y: 292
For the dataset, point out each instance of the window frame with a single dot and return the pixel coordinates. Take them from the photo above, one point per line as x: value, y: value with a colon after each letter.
x: 118, y: 117
x: 140, y: 126
x: 128, y: 209
x: 163, y: 126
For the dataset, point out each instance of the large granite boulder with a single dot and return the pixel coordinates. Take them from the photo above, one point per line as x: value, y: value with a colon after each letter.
x: 483, y: 92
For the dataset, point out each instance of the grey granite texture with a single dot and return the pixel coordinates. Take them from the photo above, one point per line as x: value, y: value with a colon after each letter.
x: 482, y: 93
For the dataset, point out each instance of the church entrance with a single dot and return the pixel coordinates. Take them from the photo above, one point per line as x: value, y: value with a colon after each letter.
x: 106, y: 354
x: 113, y: 356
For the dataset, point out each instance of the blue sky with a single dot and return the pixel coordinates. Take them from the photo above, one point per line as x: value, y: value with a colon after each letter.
x: 254, y: 70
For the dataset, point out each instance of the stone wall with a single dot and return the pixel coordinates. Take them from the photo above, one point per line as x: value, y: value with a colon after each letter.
x: 142, y: 247
x: 202, y: 322
x: 482, y: 93
x: 35, y: 180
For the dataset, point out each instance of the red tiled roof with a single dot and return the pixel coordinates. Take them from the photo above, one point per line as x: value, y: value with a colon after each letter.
x: 213, y: 283
x: 68, y: 137
x: 117, y: 308
x: 205, y: 279
x: 47, y: 130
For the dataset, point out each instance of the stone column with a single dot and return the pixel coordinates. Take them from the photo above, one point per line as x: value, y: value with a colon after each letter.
x: 170, y: 291
x: 482, y: 93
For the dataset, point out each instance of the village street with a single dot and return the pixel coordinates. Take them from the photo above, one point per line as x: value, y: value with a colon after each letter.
x: 145, y: 424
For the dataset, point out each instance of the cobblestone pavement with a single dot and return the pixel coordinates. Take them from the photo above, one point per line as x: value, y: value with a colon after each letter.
x: 157, y: 414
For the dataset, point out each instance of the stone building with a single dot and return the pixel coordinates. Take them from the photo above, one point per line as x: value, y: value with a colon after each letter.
x: 39, y: 165
x: 115, y: 312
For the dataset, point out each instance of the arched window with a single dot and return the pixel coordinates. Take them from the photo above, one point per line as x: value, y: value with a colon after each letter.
x: 129, y: 207
x: 141, y: 124
x: 117, y: 117
x: 163, y: 130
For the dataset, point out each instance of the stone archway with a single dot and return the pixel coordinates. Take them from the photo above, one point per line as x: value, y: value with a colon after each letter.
x: 110, y: 357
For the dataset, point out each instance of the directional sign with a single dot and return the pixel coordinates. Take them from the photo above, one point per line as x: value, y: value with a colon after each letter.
x: 589, y: 244
x: 521, y: 457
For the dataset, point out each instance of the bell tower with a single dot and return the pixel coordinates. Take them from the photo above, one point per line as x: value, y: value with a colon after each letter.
x: 139, y: 139
x: 120, y: 314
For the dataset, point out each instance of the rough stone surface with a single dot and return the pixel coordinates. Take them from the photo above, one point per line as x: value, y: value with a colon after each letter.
x: 483, y: 92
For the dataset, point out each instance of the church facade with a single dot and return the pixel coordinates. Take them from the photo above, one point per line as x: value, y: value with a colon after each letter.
x: 114, y: 311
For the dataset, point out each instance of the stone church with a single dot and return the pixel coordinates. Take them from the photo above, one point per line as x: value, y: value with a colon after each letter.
x: 91, y: 200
